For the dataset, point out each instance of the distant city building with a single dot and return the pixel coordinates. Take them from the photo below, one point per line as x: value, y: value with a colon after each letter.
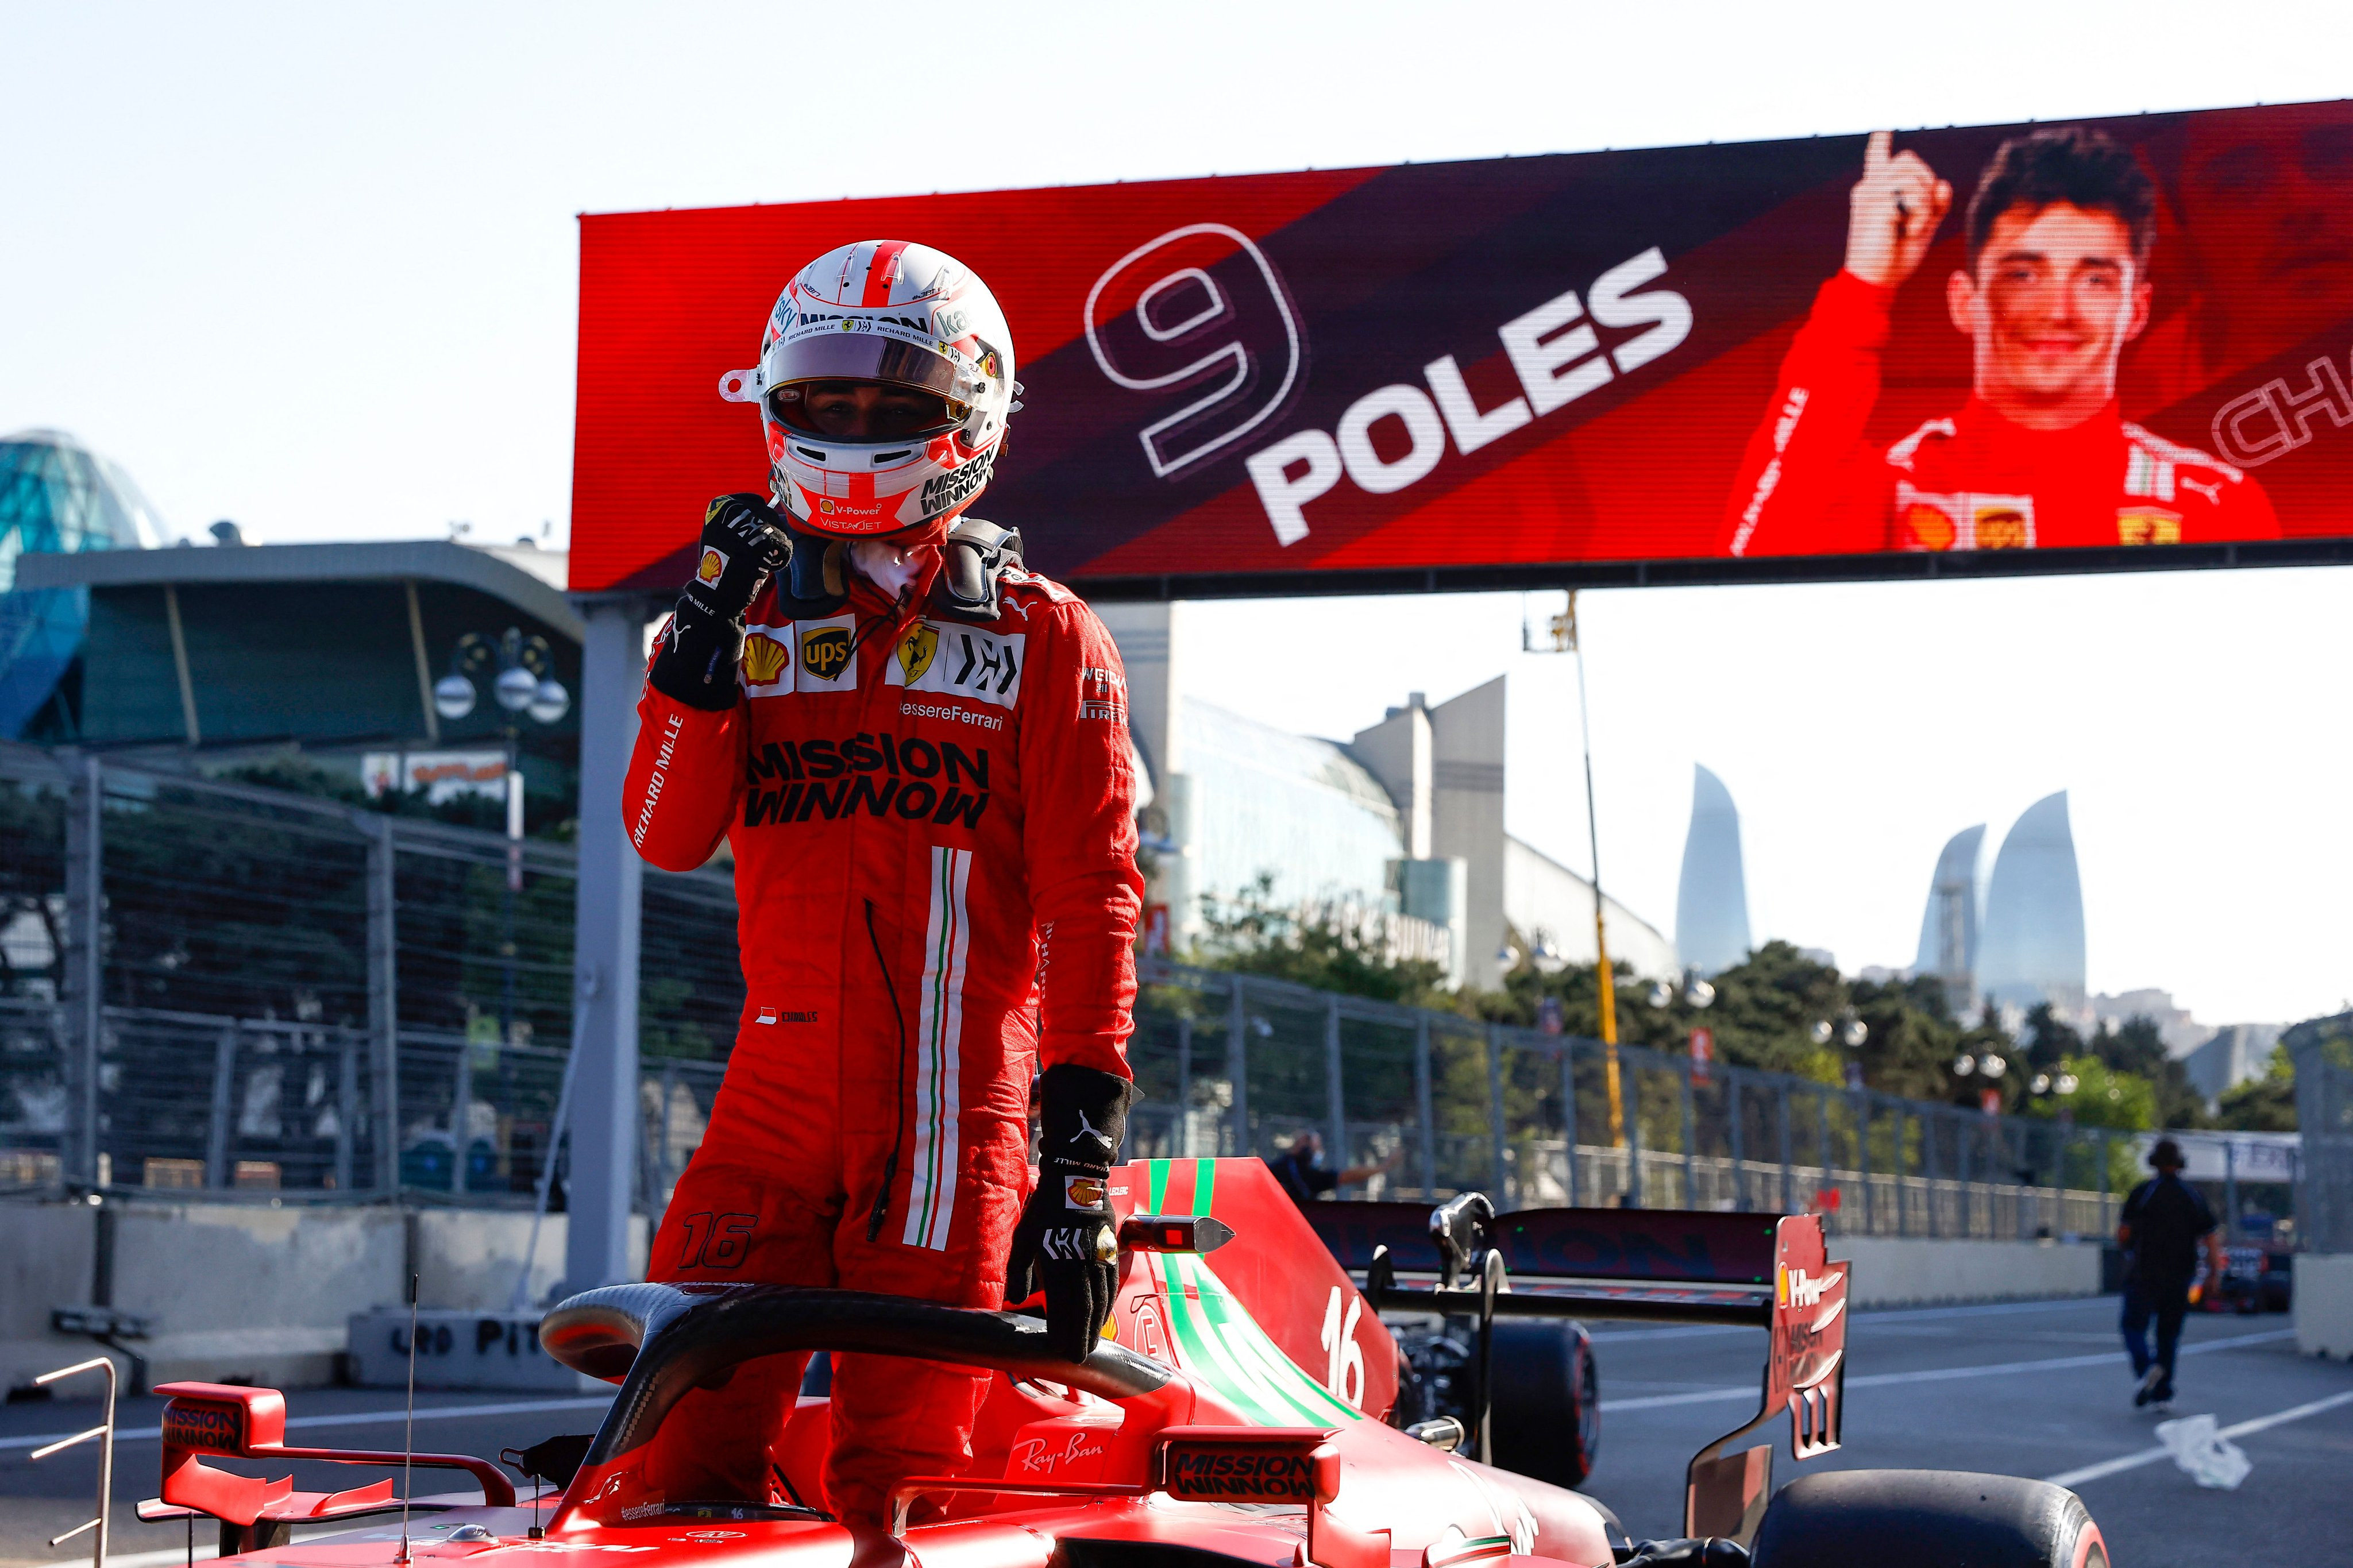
x: 1948, y: 926
x: 2182, y: 1033
x: 211, y: 655
x: 2235, y: 1053
x: 1298, y: 807
x: 1400, y: 827
x: 1712, y: 898
x: 2032, y: 947
x: 56, y: 497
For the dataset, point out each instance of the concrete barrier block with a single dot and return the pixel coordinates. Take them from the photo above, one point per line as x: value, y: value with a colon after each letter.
x: 281, y: 1356
x: 47, y: 1249
x: 467, y: 1259
x: 458, y: 1350
x: 1894, y: 1272
x: 205, y: 1267
x: 2324, y: 1303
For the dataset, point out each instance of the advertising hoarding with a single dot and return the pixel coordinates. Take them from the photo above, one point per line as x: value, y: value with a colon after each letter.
x: 2084, y: 345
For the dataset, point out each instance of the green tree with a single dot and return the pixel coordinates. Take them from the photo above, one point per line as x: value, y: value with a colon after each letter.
x: 1251, y: 935
x: 2136, y: 1047
x: 1914, y: 1040
x: 1984, y: 1039
x: 2103, y: 1096
x: 2266, y: 1104
x: 2048, y: 1039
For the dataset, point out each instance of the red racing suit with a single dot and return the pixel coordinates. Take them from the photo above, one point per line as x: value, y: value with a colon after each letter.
x: 1810, y: 485
x: 934, y: 826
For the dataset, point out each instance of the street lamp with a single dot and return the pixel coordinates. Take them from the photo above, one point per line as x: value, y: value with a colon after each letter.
x: 1697, y: 993
x: 525, y: 683
x: 524, y: 687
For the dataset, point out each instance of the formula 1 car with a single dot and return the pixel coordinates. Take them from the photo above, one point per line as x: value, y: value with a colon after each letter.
x: 1243, y: 1412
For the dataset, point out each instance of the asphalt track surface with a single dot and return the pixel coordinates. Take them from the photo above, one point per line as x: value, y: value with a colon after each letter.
x: 2037, y: 1389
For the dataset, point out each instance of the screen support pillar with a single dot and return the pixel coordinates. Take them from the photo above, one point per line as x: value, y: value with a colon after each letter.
x: 604, y: 956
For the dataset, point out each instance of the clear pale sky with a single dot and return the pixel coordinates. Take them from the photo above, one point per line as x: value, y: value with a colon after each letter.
x: 313, y: 267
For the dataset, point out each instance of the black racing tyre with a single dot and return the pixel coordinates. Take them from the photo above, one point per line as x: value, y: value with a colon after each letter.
x: 1547, y: 1409
x: 1927, y: 1519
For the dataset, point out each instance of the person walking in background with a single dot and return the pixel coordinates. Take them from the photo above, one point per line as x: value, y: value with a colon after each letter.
x: 2164, y: 1220
x: 1303, y: 1174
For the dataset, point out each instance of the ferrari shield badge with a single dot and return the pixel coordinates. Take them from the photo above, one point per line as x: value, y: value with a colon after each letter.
x: 916, y: 649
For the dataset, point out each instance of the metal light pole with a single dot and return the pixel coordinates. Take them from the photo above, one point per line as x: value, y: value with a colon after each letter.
x: 525, y: 685
x: 1562, y: 638
x: 1604, y: 978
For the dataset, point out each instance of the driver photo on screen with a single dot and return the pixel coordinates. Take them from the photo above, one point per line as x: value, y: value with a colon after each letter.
x: 919, y: 753
x: 2059, y: 234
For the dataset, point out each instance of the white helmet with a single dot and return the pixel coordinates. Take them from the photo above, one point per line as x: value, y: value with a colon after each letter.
x: 888, y: 319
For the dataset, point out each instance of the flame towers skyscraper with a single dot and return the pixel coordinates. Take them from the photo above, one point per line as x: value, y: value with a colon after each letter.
x: 1712, y: 899
x: 2031, y: 949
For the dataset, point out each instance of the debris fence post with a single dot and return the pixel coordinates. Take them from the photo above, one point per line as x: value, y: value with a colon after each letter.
x: 1496, y: 1161
x: 1237, y: 1062
x: 1335, y: 1089
x: 1424, y: 1108
x: 384, y: 1001
x: 85, y: 967
x: 1568, y: 1116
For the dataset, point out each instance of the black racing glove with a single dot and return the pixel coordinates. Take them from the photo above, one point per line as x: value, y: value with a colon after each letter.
x: 743, y: 544
x: 1068, y: 1239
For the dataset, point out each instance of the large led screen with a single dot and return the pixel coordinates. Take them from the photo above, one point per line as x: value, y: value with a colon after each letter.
x: 1785, y: 359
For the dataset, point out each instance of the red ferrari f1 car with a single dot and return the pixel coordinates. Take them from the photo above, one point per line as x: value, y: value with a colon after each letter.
x: 1248, y: 1407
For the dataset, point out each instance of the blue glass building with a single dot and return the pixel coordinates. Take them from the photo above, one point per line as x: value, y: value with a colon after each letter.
x: 56, y: 497
x: 1712, y: 897
x: 2031, y: 948
x: 1948, y: 924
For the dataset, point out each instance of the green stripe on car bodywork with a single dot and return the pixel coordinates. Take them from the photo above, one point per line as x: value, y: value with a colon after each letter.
x: 1219, y: 1340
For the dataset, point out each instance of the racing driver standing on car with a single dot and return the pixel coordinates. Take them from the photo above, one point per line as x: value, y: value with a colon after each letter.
x: 919, y: 753
x: 2059, y: 234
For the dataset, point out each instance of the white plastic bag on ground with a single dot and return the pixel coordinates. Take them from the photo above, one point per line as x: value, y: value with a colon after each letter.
x: 2200, y: 1450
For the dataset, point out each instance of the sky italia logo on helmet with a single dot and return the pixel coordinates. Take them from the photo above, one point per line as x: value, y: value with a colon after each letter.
x: 914, y: 325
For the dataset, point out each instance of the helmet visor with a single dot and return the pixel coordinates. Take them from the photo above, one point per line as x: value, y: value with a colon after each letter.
x: 863, y: 411
x: 866, y: 356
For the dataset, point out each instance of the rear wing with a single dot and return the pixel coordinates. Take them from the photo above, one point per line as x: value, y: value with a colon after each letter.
x: 1765, y: 1271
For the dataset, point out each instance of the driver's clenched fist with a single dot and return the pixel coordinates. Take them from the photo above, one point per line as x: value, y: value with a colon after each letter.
x: 1893, y: 213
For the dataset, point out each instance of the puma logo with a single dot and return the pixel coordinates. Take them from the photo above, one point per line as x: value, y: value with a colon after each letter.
x: 1090, y: 1129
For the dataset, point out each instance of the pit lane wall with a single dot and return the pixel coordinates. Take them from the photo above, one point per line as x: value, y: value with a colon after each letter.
x: 250, y: 1292
x: 1892, y: 1271
x: 2324, y: 1304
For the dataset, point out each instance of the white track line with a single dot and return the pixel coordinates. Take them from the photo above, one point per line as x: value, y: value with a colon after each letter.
x: 2150, y: 1456
x: 1946, y: 1373
x: 354, y: 1418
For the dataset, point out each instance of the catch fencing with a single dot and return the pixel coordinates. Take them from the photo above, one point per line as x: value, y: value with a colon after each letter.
x: 1437, y: 1103
x: 2324, y: 1115
x: 212, y: 987
x: 218, y: 988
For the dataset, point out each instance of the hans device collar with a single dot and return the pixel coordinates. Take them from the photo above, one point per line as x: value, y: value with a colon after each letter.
x: 975, y: 557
